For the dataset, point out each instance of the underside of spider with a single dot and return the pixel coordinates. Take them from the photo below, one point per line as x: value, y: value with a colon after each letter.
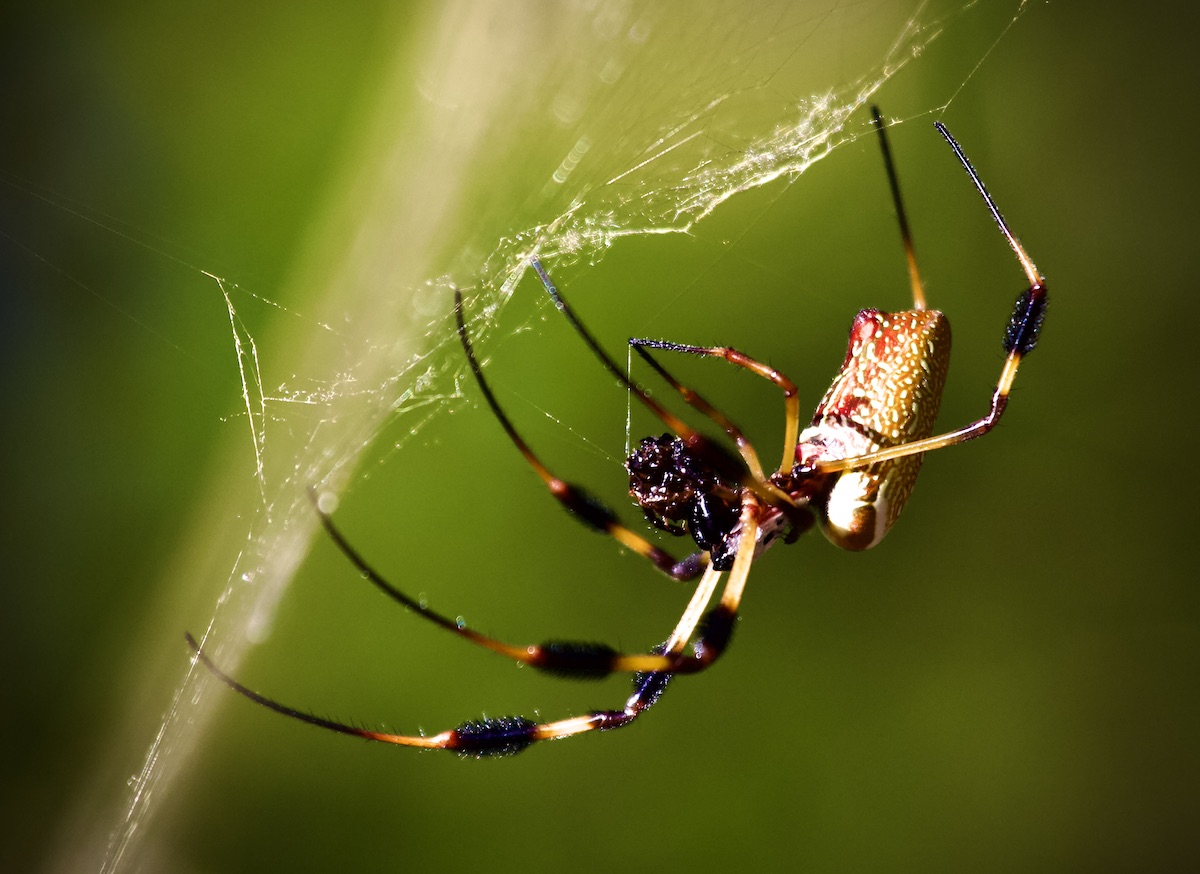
x: 849, y: 472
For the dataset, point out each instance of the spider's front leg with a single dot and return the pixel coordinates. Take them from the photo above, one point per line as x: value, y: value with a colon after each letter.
x: 791, y: 397
x: 680, y: 493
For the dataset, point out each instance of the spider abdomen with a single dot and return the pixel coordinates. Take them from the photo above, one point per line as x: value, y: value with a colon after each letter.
x: 887, y: 393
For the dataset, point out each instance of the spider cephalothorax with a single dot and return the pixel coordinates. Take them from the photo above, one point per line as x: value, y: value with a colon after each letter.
x: 679, y: 493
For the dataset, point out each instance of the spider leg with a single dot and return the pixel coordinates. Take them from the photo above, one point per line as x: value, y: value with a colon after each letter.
x: 713, y: 454
x: 910, y: 254
x: 482, y: 738
x: 572, y: 659
x: 1020, y: 338
x: 791, y: 398
x: 583, y: 506
x: 716, y: 629
x: 697, y: 402
x: 509, y: 735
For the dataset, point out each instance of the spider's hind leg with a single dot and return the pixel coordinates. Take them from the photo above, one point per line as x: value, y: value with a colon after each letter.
x: 791, y: 397
x: 482, y: 738
x: 512, y: 734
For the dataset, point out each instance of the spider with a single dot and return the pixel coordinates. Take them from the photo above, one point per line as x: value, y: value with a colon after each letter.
x: 849, y: 473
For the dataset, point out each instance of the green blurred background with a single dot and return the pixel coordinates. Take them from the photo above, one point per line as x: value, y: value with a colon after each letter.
x: 1006, y: 683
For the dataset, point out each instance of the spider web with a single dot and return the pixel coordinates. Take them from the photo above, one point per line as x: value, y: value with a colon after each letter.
x: 503, y: 137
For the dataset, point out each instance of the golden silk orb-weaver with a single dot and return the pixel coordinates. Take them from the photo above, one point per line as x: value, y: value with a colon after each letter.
x: 849, y: 473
